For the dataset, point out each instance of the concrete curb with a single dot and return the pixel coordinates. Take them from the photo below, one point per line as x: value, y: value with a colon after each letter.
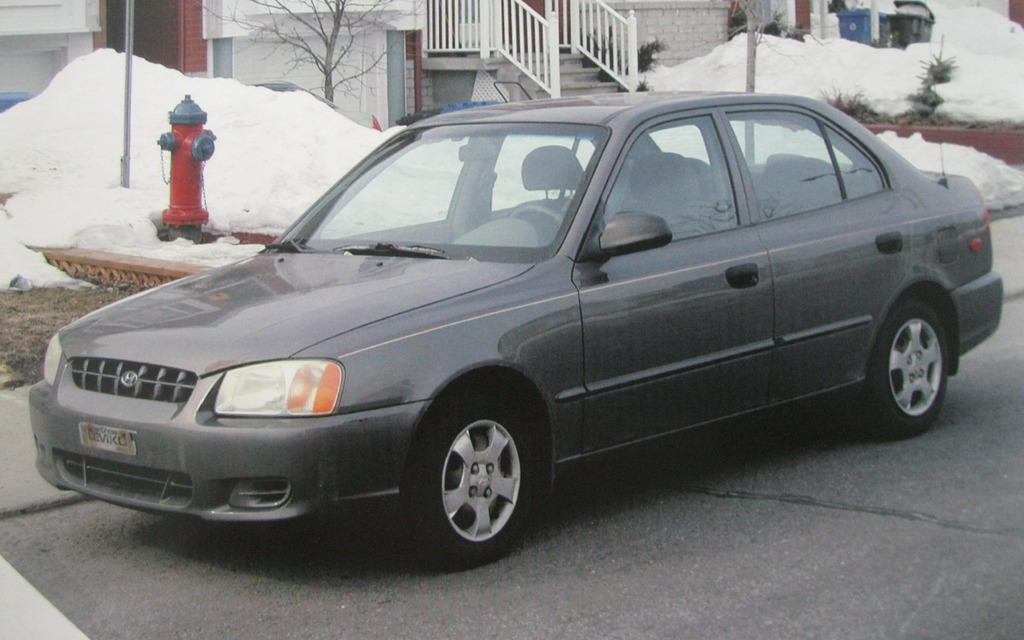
x: 26, y: 615
x: 62, y: 499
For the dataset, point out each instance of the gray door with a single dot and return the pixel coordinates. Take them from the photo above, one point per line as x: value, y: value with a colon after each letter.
x: 681, y: 334
x: 837, y: 255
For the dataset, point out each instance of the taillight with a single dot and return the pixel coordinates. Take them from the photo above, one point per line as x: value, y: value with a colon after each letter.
x: 977, y: 244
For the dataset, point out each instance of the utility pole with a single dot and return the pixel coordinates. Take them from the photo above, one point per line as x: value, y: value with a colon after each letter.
x: 129, y: 47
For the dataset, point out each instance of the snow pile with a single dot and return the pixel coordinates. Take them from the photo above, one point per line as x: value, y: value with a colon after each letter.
x: 987, y: 85
x: 999, y: 184
x: 276, y: 153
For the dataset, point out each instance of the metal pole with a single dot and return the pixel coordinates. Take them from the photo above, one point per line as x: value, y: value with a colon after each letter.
x: 129, y: 47
x: 874, y: 21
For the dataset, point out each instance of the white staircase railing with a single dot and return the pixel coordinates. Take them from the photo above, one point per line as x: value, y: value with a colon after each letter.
x: 455, y: 26
x: 601, y: 34
x: 531, y: 41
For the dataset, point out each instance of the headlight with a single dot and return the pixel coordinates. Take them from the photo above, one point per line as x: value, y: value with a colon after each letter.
x: 281, y: 388
x: 54, y: 354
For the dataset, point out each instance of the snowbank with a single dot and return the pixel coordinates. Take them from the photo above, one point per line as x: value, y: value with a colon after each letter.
x: 276, y: 152
x: 987, y: 85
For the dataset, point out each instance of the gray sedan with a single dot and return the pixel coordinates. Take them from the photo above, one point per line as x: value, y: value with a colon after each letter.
x: 499, y: 293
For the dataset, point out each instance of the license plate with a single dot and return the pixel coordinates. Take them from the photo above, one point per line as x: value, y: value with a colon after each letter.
x: 111, y: 439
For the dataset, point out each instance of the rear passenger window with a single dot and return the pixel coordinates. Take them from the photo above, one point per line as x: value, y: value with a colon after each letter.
x: 677, y: 171
x: 788, y: 160
x: 860, y: 176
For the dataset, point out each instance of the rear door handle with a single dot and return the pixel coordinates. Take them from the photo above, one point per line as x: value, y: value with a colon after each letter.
x: 742, y: 276
x: 890, y: 242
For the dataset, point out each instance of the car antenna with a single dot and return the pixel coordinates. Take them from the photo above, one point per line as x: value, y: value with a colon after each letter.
x: 944, y: 180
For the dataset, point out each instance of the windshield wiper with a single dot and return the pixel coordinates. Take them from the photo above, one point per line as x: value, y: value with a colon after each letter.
x: 393, y: 250
x: 288, y: 246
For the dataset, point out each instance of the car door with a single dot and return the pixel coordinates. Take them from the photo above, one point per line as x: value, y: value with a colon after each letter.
x: 680, y: 334
x: 834, y: 238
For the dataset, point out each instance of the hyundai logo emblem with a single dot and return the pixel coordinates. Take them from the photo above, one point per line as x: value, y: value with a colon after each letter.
x: 129, y: 379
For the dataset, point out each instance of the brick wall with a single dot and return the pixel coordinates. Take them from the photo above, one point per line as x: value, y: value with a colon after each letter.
x: 156, y: 32
x: 687, y: 29
x: 1017, y: 11
x: 413, y: 75
x: 167, y: 32
x: 194, y: 50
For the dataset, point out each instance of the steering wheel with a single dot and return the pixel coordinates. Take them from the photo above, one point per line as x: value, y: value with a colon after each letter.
x: 544, y: 221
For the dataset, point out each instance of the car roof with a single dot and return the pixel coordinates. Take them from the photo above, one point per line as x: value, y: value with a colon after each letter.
x: 604, y: 109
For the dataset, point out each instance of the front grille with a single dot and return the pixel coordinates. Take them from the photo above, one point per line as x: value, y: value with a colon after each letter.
x: 132, y: 379
x: 164, y: 488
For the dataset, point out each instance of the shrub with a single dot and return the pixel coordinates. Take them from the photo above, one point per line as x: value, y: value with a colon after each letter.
x: 926, y: 100
x: 855, y: 105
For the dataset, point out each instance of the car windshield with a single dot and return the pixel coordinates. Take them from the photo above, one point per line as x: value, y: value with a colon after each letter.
x: 488, y: 192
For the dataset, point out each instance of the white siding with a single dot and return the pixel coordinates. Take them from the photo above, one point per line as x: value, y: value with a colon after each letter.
x: 28, y: 17
x: 39, y: 37
x: 265, y: 62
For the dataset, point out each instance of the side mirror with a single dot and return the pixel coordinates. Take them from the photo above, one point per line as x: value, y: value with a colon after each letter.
x: 629, y: 232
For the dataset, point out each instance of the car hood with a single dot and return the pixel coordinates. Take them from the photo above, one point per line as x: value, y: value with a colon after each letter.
x: 271, y: 306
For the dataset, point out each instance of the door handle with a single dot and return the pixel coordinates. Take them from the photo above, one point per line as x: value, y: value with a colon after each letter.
x: 890, y: 242
x: 742, y: 276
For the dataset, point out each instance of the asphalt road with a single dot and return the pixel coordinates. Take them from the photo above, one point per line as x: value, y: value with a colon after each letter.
x: 762, y: 530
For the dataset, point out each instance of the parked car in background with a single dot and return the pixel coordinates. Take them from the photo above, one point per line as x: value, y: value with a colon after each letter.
x: 363, y: 118
x: 498, y: 293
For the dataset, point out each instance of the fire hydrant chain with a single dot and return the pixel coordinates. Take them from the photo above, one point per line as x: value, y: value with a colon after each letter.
x: 163, y: 171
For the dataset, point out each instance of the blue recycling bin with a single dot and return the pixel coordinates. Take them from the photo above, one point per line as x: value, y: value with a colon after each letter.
x: 459, y: 106
x: 855, y: 24
x: 10, y: 98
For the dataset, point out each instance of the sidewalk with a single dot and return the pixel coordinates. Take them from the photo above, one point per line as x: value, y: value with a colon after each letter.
x: 24, y: 614
x: 22, y: 490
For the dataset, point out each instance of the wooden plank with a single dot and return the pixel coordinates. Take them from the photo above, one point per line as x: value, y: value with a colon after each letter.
x: 115, y: 269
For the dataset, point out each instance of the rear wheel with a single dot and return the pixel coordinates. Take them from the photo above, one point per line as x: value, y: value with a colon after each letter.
x: 469, y: 484
x: 906, y: 380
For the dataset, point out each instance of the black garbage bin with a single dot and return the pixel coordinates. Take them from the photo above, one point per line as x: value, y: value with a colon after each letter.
x: 911, y: 23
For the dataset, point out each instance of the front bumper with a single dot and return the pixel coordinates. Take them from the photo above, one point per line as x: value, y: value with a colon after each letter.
x: 188, y: 461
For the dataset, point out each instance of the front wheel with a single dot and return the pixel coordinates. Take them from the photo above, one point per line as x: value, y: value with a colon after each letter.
x: 906, y: 378
x: 469, y: 485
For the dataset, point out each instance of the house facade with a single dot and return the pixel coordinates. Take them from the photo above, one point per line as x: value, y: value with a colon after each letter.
x: 406, y: 55
x: 39, y: 37
x: 412, y: 55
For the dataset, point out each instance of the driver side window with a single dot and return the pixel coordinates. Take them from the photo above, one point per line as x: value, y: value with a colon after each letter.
x: 677, y: 171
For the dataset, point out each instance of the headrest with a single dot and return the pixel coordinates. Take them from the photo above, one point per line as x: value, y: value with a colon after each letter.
x: 550, y: 168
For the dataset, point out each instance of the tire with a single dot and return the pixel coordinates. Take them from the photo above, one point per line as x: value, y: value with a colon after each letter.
x: 906, y: 377
x: 468, y: 486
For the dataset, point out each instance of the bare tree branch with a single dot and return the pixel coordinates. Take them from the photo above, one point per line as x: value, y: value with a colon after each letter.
x: 323, y: 33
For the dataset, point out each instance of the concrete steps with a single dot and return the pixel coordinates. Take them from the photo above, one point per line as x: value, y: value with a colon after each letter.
x: 579, y: 79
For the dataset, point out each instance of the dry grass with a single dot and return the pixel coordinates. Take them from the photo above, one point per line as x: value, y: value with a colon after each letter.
x: 29, y: 321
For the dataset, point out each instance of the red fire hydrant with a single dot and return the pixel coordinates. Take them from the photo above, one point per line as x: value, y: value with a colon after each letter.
x: 190, y: 145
